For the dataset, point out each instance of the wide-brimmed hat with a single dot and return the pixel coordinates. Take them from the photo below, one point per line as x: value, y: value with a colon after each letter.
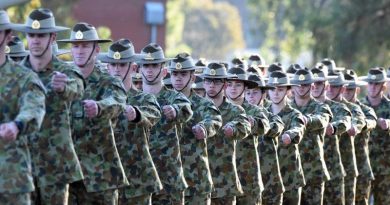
x: 259, y: 81
x: 182, y: 62
x: 15, y: 48
x: 215, y: 70
x: 321, y: 75
x: 136, y: 77
x: 302, y: 77
x: 253, y: 71
x: 57, y: 51
x: 121, y: 51
x: 201, y: 65
x: 40, y: 21
x: 279, y: 79
x: 339, y: 79
x: 332, y: 65
x: 256, y: 60
x: 375, y: 75
x: 153, y: 53
x: 274, y: 67
x: 167, y: 80
x: 239, y: 74
x: 84, y: 32
x: 353, y: 79
x: 293, y: 68
x: 238, y: 62
x: 5, y: 23
x: 198, y: 84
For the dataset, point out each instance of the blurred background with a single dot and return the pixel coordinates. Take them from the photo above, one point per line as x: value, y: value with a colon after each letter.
x: 355, y: 33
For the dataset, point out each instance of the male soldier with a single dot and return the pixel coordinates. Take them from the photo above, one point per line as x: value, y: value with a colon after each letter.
x: 133, y: 127
x: 205, y: 123
x: 340, y: 123
x: 55, y: 162
x: 247, y: 156
x: 137, y: 80
x: 317, y: 116
x: 15, y: 49
x: 222, y: 147
x: 267, y: 149
x: 379, y: 139
x: 22, y: 100
x: 164, y: 139
x: 366, y: 175
x: 103, y: 100
x: 294, y: 127
x: 346, y: 143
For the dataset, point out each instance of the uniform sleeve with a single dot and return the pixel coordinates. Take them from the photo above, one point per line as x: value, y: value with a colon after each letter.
x: 342, y: 119
x: 111, y: 102
x: 276, y: 125
x: 358, y: 119
x: 240, y: 124
x: 370, y: 117
x: 212, y: 119
x: 31, y: 105
x: 319, y: 120
x: 261, y: 125
x: 149, y: 112
x: 75, y: 85
x: 183, y: 108
x: 297, y: 128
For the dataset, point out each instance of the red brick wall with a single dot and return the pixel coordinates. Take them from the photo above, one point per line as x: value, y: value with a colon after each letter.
x: 125, y: 18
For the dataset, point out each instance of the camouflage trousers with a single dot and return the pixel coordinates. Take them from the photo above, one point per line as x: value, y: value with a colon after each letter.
x: 224, y: 201
x: 198, y: 199
x: 292, y: 197
x: 334, y: 192
x: 313, y: 193
x: 276, y: 199
x: 363, y: 187
x: 145, y: 199
x: 57, y: 194
x: 350, y: 190
x: 249, y: 198
x: 80, y: 196
x: 381, y: 189
x: 175, y: 198
x: 12, y: 199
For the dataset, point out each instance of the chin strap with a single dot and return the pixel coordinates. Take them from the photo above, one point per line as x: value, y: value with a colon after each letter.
x: 90, y: 55
x: 47, y: 48
x: 152, y: 82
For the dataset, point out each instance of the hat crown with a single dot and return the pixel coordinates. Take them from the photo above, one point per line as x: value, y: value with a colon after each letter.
x: 274, y: 67
x: 278, y: 78
x: 4, y: 18
x: 41, y: 18
x: 215, y: 70
x: 259, y: 80
x: 201, y: 62
x: 338, y: 80
x: 15, y: 41
x: 84, y: 31
x: 152, y: 52
x: 182, y: 61
x: 15, y: 46
x: 237, y: 73
x: 302, y: 76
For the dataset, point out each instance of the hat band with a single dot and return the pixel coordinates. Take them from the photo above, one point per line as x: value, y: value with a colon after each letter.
x: 41, y: 24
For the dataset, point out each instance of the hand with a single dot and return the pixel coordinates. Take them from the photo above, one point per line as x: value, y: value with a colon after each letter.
x: 251, y: 121
x: 286, y: 139
x: 383, y: 124
x: 199, y: 132
x: 58, y: 81
x: 228, y: 131
x: 130, y: 113
x: 352, y: 131
x: 169, y: 112
x: 90, y: 108
x: 329, y: 130
x: 9, y: 131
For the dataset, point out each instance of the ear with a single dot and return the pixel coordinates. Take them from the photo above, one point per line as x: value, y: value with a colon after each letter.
x: 384, y: 87
x: 133, y: 68
x: 164, y: 72
x: 97, y: 48
x: 193, y: 77
x: 53, y: 37
x: 357, y: 90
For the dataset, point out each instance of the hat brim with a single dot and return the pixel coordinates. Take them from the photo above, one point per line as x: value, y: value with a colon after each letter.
x: 302, y: 82
x: 18, y: 54
x: 182, y: 69
x: 84, y: 40
x: 356, y: 84
x: 340, y: 83
x: 142, y: 61
x: 10, y: 26
x: 25, y: 29
x: 281, y: 85
x: 104, y: 58
x: 369, y: 80
x: 62, y: 52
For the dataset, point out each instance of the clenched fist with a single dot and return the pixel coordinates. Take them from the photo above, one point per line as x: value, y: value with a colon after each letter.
x: 9, y: 131
x: 169, y: 112
x: 199, y: 132
x: 130, y: 113
x: 58, y: 81
x: 91, y: 109
x: 286, y: 139
x: 383, y: 124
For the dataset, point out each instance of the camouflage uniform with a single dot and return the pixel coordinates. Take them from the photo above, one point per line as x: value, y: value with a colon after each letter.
x: 347, y: 151
x: 312, y: 151
x: 362, y: 156
x: 22, y: 99
x: 334, y: 188
x: 289, y: 157
x: 379, y: 145
x: 55, y: 163
x: 165, y: 148
x: 222, y: 154
x: 132, y: 140
x: 194, y: 152
x: 94, y: 140
x: 247, y: 157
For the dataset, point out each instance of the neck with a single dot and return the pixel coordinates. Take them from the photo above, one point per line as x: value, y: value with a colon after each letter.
x: 3, y: 58
x: 276, y: 108
x: 128, y: 83
x: 152, y: 89
x: 374, y: 101
x: 39, y: 63
x: 321, y: 98
x: 218, y: 100
x: 238, y: 101
x: 87, y: 69
x: 301, y: 101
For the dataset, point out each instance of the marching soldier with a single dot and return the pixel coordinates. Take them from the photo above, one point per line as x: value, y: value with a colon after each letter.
x: 204, y: 124
x: 164, y: 139
x: 379, y: 143
x: 366, y: 175
x: 317, y: 116
x: 247, y: 156
x: 222, y: 147
x: 22, y: 99
x: 55, y: 162
x: 294, y: 127
x: 92, y: 116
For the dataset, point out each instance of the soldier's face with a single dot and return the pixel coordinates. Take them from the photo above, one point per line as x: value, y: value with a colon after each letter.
x: 38, y: 42
x: 319, y: 89
x: 150, y: 71
x: 182, y: 79
x: 374, y: 89
x: 234, y: 89
x: 200, y: 92
x: 253, y: 96
x: 277, y: 94
x: 334, y: 91
x: 302, y: 91
x: 119, y: 69
x: 138, y: 85
x: 81, y: 51
x: 213, y: 86
x: 350, y: 93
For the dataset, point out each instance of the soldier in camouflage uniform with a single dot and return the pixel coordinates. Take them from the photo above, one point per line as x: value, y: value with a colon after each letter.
x: 103, y: 100
x: 22, y: 101
x: 204, y: 124
x: 137, y: 80
x: 379, y: 144
x: 222, y: 147
x: 132, y: 131
x: 55, y: 163
x: 366, y: 175
x: 346, y: 143
x: 267, y: 149
x: 294, y: 128
x: 164, y: 139
x: 317, y: 116
x: 341, y: 122
x: 247, y: 156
